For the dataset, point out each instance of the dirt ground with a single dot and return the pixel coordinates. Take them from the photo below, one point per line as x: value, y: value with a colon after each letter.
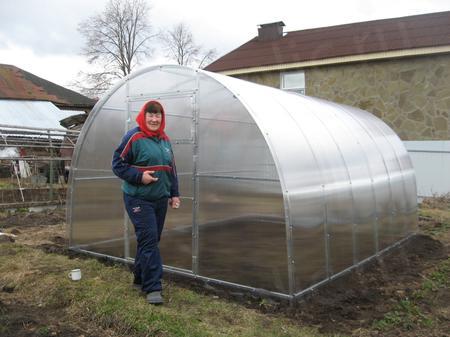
x: 350, y: 305
x: 23, y: 320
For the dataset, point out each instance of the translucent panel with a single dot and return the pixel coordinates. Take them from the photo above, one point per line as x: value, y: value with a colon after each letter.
x: 176, y: 240
x: 162, y: 81
x: 183, y: 157
x: 97, y: 173
x: 347, y: 131
x: 98, y: 142
x: 179, y: 116
x: 219, y: 103
x: 98, y: 218
x: 234, y: 149
x: 393, y: 230
x: 174, y: 105
x: 283, y: 132
x: 176, y: 244
x: 116, y: 100
x: 408, y: 212
x: 179, y: 127
x: 306, y: 196
x: 242, y: 236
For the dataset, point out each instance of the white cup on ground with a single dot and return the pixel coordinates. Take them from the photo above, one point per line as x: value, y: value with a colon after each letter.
x: 75, y: 274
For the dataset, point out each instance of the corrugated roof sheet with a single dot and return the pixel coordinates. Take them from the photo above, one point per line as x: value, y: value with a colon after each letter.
x: 16, y: 83
x: 411, y: 32
x: 35, y: 114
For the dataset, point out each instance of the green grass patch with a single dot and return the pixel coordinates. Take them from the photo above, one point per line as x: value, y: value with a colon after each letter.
x: 4, y: 185
x: 406, y: 314
x: 439, y: 221
x: 105, y: 297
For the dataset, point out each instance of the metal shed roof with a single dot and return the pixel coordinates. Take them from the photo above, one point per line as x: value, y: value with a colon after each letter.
x: 35, y: 114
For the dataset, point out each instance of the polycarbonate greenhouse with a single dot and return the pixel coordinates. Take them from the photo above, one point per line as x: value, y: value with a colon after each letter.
x: 280, y: 192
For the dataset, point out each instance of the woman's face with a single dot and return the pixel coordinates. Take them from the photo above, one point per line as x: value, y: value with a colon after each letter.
x: 153, y: 120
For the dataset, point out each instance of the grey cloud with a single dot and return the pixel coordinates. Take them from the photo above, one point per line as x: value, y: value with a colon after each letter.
x: 46, y: 26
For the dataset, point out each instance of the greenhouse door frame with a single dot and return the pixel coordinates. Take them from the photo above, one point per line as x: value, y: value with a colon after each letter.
x: 193, y: 140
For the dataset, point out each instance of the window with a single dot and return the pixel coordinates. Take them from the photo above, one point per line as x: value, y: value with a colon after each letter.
x: 293, y: 81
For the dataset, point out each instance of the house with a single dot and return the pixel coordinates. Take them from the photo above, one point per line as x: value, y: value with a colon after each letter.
x: 398, y: 69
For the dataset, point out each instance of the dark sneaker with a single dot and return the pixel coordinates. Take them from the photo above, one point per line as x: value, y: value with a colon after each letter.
x: 155, y: 297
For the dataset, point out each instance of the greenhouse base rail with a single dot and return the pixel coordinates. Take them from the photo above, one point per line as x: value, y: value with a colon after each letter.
x: 210, y: 281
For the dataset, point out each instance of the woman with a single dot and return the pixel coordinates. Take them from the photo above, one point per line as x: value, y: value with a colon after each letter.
x: 144, y: 161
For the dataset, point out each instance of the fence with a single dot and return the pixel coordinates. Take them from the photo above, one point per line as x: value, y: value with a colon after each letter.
x: 431, y: 161
x: 34, y: 165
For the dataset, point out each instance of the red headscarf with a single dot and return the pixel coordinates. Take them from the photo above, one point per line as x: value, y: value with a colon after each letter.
x: 140, y: 119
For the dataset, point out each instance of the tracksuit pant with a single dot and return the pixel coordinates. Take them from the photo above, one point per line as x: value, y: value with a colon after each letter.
x: 148, y: 220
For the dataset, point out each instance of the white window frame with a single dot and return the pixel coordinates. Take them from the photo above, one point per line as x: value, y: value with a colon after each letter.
x: 301, y: 89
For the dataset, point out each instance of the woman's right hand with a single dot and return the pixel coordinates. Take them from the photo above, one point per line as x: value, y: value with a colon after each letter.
x: 147, y: 177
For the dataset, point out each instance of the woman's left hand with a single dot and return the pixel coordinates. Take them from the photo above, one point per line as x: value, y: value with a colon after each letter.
x: 175, y: 202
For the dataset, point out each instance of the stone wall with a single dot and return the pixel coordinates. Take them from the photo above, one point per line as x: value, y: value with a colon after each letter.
x: 412, y: 95
x: 271, y: 79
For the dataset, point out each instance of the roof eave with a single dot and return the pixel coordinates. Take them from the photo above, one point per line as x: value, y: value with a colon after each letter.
x: 340, y: 60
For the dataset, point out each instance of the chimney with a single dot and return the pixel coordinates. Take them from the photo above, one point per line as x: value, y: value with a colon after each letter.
x: 270, y: 31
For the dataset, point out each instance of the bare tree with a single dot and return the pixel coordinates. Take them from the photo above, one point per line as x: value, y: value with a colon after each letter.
x: 180, y: 46
x: 116, y: 39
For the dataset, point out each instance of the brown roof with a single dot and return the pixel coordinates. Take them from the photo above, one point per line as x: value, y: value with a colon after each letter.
x: 16, y: 83
x: 410, y: 32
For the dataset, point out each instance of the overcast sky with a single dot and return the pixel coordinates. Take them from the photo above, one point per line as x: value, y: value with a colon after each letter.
x: 40, y: 36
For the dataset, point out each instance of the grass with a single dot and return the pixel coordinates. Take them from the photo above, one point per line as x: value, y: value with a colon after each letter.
x: 104, y: 297
x: 7, y: 185
x: 408, y: 313
x: 441, y: 219
x: 416, y: 312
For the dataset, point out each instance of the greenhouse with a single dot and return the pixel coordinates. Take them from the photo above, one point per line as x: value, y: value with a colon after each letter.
x: 280, y: 192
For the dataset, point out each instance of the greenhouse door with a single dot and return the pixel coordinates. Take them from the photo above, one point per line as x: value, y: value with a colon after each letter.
x: 176, y: 241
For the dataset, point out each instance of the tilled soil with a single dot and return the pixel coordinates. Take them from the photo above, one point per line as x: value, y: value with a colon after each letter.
x: 360, y: 297
x: 33, y: 219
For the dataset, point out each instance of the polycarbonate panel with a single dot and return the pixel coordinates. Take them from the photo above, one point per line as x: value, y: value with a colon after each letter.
x: 409, y: 180
x: 115, y: 100
x: 98, y: 218
x: 234, y: 149
x: 162, y: 81
x: 176, y: 244
x: 346, y: 131
x: 242, y: 236
x: 305, y: 190
x: 393, y: 227
x: 179, y: 116
x: 282, y: 132
x: 176, y: 239
x: 98, y: 142
x: 219, y: 103
x: 183, y: 157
